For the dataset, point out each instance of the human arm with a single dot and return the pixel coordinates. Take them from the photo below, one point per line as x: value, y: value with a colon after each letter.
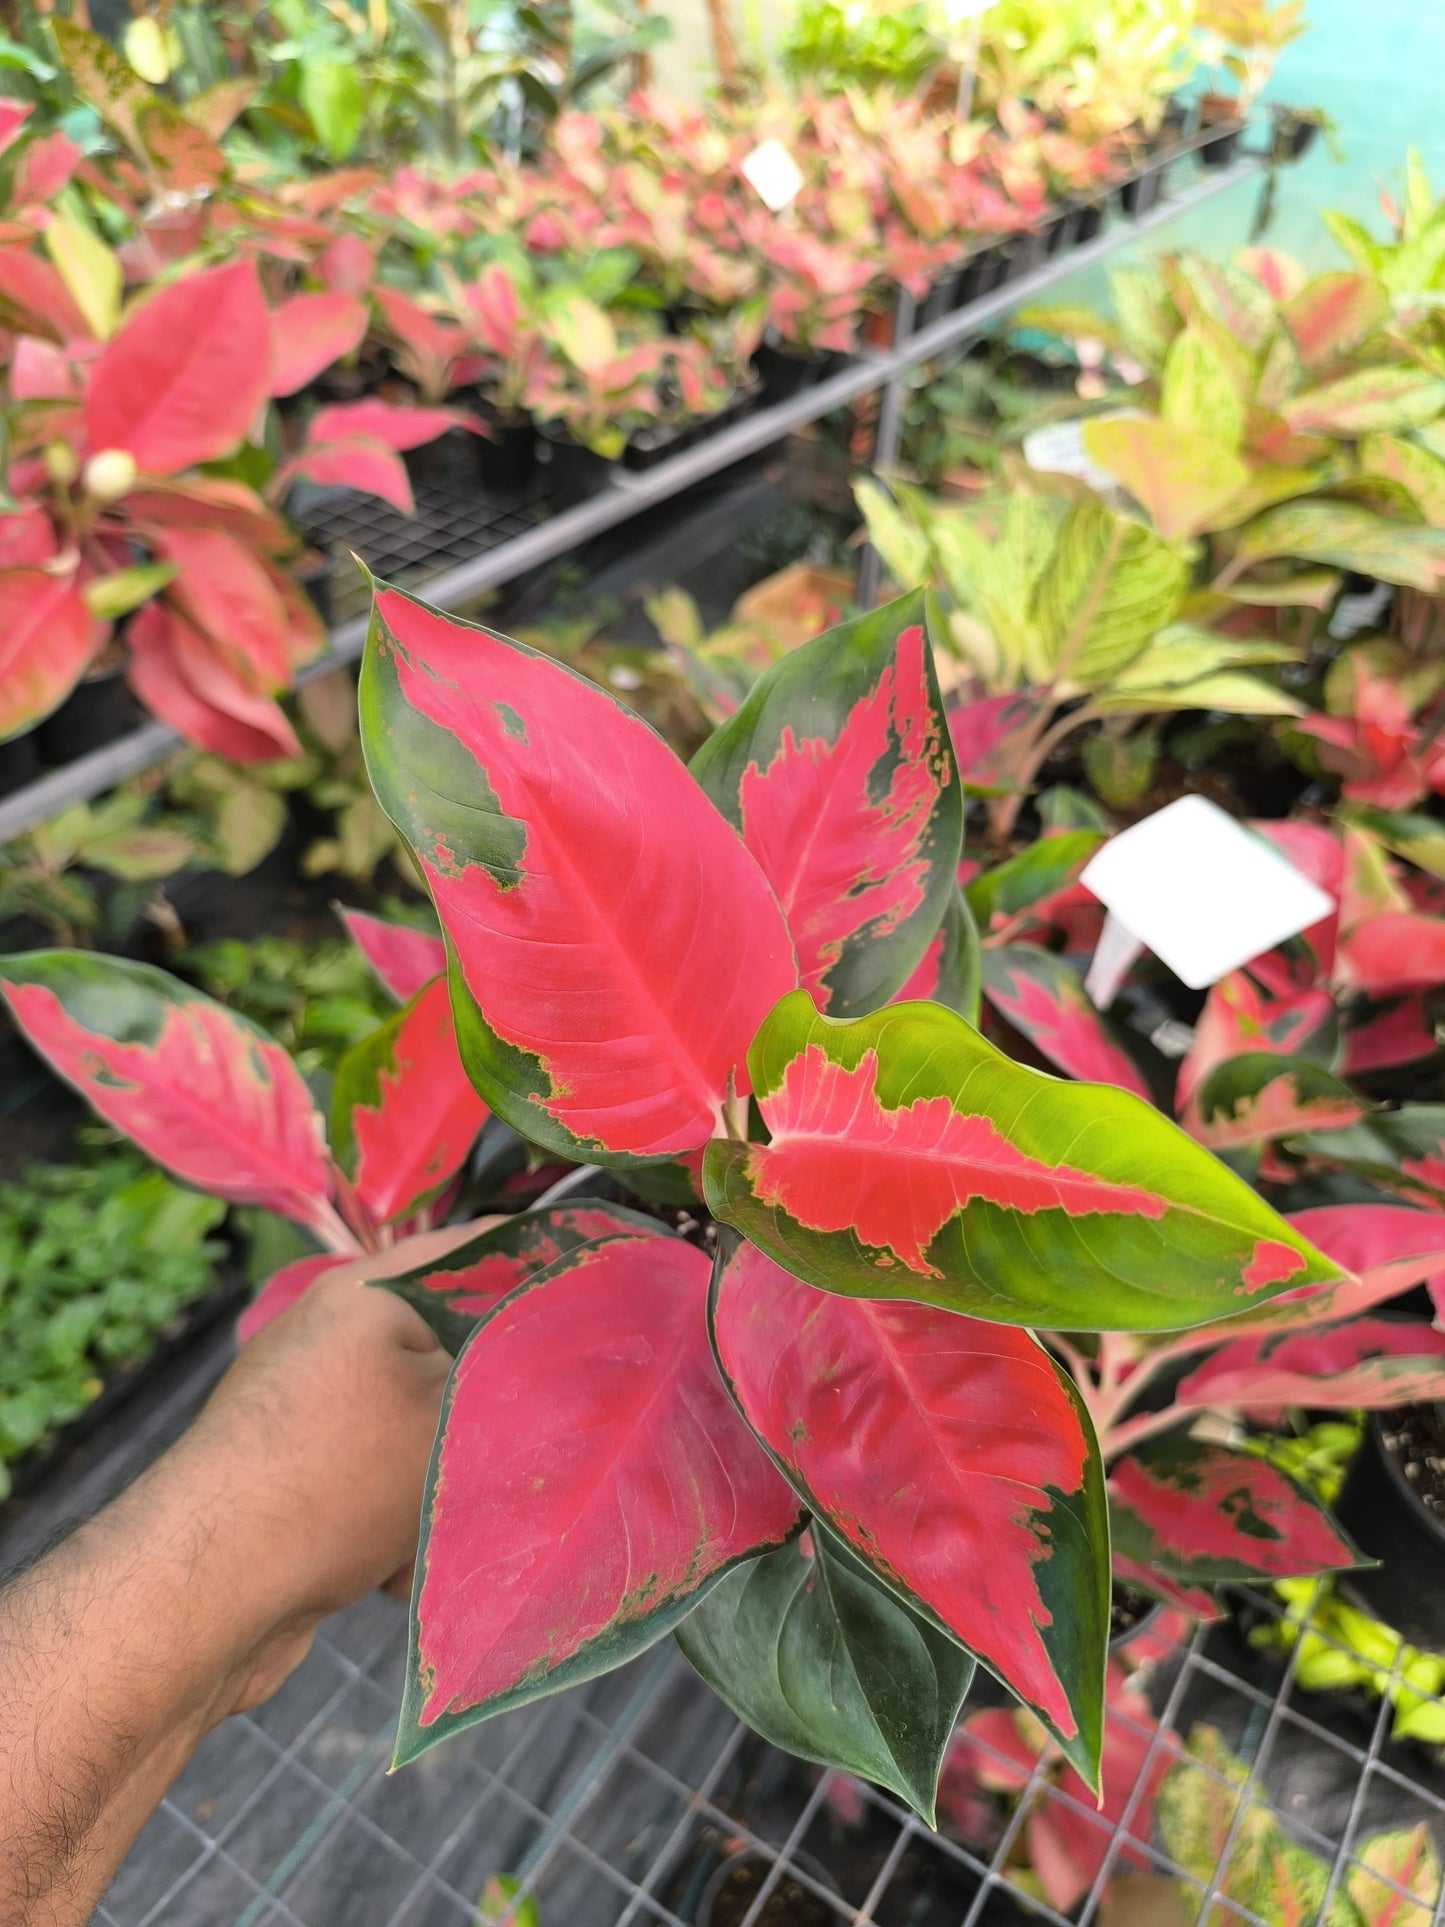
x: 197, y: 1592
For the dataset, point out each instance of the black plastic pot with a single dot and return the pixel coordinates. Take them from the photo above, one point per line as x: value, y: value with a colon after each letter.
x: 941, y: 299
x: 1139, y: 195
x: 1089, y: 221
x: 1061, y: 232
x: 1387, y: 1518
x: 19, y: 763
x: 649, y: 446
x: 506, y: 458
x: 725, y: 1900
x: 575, y: 473
x: 453, y: 458
x: 783, y: 372
x: 1221, y: 128
x: 1294, y: 134
x: 96, y: 711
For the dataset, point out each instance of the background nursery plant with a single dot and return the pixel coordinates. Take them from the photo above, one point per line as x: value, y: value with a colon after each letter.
x: 837, y: 1448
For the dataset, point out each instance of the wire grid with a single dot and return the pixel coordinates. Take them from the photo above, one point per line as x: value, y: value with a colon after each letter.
x: 615, y: 1802
x: 455, y: 520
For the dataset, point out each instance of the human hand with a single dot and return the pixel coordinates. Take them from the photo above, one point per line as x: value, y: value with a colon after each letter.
x: 316, y: 1444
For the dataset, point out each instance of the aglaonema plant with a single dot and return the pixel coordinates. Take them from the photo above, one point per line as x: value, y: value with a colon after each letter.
x: 652, y: 965
x: 821, y: 1441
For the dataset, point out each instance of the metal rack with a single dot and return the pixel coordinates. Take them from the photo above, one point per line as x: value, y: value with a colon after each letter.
x: 501, y: 541
x: 613, y: 1803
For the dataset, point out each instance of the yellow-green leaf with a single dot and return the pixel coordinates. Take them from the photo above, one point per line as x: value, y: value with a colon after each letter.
x: 1181, y: 479
x: 1198, y: 393
x: 89, y: 269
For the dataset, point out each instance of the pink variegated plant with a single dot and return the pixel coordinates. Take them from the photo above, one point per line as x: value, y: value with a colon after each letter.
x: 692, y: 976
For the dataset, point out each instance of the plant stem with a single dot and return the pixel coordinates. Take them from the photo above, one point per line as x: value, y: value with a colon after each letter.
x: 1115, y: 1441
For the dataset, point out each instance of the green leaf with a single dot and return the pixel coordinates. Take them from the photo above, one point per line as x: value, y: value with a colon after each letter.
x: 113, y: 596
x: 902, y: 546
x: 1181, y: 479
x: 1414, y: 468
x: 1110, y: 586
x: 822, y: 1659
x: 1346, y: 536
x: 1121, y: 768
x: 1038, y: 871
x: 1388, y: 1862
x: 1147, y: 318
x: 1373, y: 398
x: 332, y: 99
x: 89, y: 269
x: 1419, y: 839
x: 1197, y: 392
x: 908, y: 1158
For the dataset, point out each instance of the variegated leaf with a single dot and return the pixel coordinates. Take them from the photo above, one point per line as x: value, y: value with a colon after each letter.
x: 908, y: 1158
x: 838, y: 773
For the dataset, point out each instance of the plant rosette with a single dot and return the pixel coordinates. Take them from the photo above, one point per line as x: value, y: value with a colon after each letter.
x: 899, y: 1206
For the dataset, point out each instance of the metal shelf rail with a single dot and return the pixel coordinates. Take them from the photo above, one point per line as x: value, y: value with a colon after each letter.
x: 628, y: 494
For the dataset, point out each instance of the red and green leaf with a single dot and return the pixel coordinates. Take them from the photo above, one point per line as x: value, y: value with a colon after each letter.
x: 403, y: 958
x: 47, y: 636
x: 949, y: 971
x: 1204, y: 1515
x: 455, y: 1292
x: 403, y: 1111
x: 181, y: 381
x: 1394, y: 1879
x: 224, y: 590
x: 838, y: 774
x: 1370, y: 1362
x: 201, y: 1090
x: 1239, y: 1017
x: 1332, y: 312
x: 910, y: 1159
x: 359, y: 463
x: 613, y: 946
x: 954, y: 1458
x: 1042, y: 997
x: 1259, y: 1097
x: 1193, y: 1600
x: 1403, y: 1149
x: 591, y: 1479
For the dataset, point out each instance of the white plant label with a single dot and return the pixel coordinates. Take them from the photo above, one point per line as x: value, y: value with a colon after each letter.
x: 1058, y: 449
x: 773, y: 175
x: 1201, y: 892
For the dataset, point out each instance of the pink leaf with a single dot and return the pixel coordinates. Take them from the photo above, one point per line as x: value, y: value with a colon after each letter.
x: 198, y: 1088
x: 179, y: 677
x: 592, y: 1476
x: 360, y: 464
x: 282, y: 1290
x: 1370, y: 1362
x: 47, y: 636
x: 308, y: 333
x: 379, y: 421
x: 404, y: 959
x: 181, y: 381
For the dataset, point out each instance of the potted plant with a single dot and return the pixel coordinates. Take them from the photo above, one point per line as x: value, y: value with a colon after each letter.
x: 1245, y: 39
x: 595, y: 382
x: 703, y: 958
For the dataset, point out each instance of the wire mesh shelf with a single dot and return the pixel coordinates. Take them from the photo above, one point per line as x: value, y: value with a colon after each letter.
x: 614, y: 1803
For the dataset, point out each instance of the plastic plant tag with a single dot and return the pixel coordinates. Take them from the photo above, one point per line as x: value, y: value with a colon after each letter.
x: 1193, y: 886
x: 1058, y: 449
x: 773, y: 174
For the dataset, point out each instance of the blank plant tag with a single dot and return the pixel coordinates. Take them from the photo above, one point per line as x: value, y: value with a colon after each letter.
x: 1196, y: 888
x: 773, y: 175
x: 1058, y: 449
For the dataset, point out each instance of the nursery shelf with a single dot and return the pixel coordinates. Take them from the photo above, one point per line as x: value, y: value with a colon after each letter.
x: 612, y: 1805
x: 503, y: 541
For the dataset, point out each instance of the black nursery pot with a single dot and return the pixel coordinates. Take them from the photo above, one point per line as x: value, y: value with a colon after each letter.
x: 19, y: 763
x: 1294, y: 136
x: 1088, y: 220
x: 506, y: 458
x: 734, y: 1886
x: 941, y: 299
x: 1388, y: 1519
x: 1143, y: 192
x: 653, y: 445
x: 95, y: 712
x: 453, y: 458
x: 576, y: 473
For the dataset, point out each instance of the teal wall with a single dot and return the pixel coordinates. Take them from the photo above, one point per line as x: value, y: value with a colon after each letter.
x: 1376, y: 66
